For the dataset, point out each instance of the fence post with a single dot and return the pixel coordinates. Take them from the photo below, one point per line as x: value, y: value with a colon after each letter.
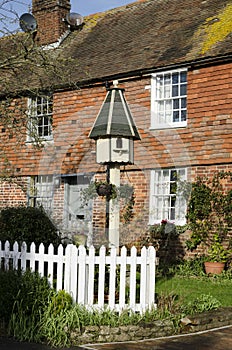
x: 143, y: 279
x: 151, y: 276
x: 122, y: 280
x: 23, y: 256
x: 81, y: 274
x: 91, y: 270
x: 7, y: 255
x: 15, y: 255
x: 112, y: 280
x: 50, y: 264
x: 133, y: 265
x: 67, y: 270
x: 60, y: 259
x: 101, y: 280
x: 41, y: 259
x: 32, y: 256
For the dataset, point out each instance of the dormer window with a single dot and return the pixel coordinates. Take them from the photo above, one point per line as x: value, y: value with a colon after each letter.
x: 40, y: 110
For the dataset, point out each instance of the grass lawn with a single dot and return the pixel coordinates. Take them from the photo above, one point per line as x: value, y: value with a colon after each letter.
x: 189, y: 288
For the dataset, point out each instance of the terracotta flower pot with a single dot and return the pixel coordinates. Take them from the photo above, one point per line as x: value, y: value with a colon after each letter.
x: 214, y: 267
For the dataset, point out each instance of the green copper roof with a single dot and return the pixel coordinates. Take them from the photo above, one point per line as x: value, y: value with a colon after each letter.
x: 114, y: 118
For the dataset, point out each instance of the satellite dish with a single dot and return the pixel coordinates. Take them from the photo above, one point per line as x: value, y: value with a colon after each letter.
x: 74, y: 19
x: 27, y: 22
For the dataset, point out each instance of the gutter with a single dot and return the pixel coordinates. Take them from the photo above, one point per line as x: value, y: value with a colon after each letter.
x: 129, y: 76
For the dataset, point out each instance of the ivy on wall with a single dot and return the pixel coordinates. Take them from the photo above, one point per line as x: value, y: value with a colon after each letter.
x: 210, y: 209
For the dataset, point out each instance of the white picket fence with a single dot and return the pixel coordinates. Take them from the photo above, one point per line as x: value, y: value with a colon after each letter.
x: 94, y: 280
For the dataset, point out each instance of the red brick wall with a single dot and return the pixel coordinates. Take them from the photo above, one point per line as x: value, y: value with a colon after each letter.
x: 49, y: 15
x: 13, y: 193
x: 204, y: 145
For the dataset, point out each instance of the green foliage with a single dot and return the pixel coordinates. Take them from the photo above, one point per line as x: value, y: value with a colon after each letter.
x: 41, y: 314
x: 29, y: 305
x: 187, y: 268
x: 209, y: 210
x: 216, y: 252
x: 27, y: 224
x: 60, y: 301
x: 128, y: 209
x: 9, y: 287
x: 205, y: 302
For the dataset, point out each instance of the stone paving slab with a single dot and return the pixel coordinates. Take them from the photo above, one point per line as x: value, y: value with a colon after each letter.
x: 216, y: 339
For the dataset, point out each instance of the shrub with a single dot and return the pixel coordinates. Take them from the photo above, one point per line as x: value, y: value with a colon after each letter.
x: 9, y: 287
x: 29, y: 305
x: 27, y: 224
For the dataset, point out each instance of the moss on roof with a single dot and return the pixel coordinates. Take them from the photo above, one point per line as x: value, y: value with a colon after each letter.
x: 133, y: 39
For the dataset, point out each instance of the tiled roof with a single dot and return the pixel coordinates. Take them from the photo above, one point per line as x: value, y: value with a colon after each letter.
x: 141, y: 37
x: 150, y: 35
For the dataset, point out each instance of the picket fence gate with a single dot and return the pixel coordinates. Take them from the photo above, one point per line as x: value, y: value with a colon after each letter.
x: 94, y: 280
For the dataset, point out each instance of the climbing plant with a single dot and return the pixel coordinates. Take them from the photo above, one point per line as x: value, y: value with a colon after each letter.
x: 209, y: 209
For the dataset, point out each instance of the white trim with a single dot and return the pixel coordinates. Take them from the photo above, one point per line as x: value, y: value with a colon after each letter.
x: 155, y: 102
x: 32, y: 130
x: 153, y: 218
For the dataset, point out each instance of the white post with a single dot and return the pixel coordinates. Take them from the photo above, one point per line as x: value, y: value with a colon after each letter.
x: 114, y: 207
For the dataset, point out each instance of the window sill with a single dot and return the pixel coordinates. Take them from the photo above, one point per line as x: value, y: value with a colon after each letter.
x: 169, y: 126
x: 42, y: 141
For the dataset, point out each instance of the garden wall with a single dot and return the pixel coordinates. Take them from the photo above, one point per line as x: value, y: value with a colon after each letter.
x: 160, y: 328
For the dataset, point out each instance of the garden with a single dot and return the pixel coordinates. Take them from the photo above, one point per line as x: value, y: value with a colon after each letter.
x: 30, y: 310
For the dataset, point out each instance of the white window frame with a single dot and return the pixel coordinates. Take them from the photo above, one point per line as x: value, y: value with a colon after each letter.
x: 41, y: 190
x: 166, y: 203
x: 168, y: 99
x: 36, y: 131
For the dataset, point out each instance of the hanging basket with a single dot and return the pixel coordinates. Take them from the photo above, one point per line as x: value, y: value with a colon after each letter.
x: 105, y: 189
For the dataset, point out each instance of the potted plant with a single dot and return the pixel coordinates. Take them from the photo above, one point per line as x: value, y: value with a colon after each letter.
x: 209, y: 218
x: 217, y: 256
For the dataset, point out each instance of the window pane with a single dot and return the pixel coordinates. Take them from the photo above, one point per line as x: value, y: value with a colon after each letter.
x: 173, y: 175
x: 176, y: 104
x: 166, y: 175
x: 173, y: 188
x: 183, y: 77
x: 175, y: 78
x: 172, y: 214
x: 167, y: 79
x: 175, y: 116
x: 183, y: 103
x: 183, y: 90
x: 175, y: 90
x: 183, y: 116
x: 167, y: 91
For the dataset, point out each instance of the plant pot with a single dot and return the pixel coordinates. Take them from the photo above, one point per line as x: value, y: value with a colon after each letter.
x: 214, y: 267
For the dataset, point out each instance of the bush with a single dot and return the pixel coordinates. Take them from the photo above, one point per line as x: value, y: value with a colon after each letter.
x: 28, y: 290
x: 27, y: 224
x: 9, y: 287
x: 31, y: 301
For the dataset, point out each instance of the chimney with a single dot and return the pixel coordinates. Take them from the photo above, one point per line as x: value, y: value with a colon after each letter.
x: 49, y: 15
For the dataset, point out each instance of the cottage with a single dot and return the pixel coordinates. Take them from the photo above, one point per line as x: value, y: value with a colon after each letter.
x: 174, y: 61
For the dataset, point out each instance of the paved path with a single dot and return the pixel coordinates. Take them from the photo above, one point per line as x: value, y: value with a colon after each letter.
x: 217, y: 339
